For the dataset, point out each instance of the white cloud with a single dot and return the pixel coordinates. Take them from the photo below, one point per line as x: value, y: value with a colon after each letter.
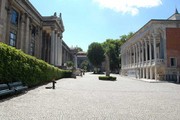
x: 128, y: 6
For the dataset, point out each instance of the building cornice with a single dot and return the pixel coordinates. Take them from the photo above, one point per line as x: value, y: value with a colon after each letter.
x: 148, y: 26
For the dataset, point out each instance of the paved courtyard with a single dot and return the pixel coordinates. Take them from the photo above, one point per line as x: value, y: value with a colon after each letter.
x: 87, y: 98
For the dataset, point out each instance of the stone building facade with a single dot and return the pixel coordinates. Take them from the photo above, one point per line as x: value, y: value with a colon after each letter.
x: 23, y: 27
x: 153, y: 52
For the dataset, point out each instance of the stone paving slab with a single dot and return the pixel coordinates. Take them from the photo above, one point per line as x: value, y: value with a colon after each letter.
x: 87, y: 98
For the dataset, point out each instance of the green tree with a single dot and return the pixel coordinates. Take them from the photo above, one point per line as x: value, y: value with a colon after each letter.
x: 85, y: 65
x: 95, y: 54
x: 111, y: 48
x: 123, y: 38
x: 70, y: 64
x: 79, y: 49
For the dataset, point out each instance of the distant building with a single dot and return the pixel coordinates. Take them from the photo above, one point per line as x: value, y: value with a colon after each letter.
x: 22, y: 26
x: 153, y: 52
x: 81, y: 56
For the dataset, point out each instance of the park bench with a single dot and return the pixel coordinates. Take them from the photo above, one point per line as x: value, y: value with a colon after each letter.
x: 17, y: 86
x: 12, y: 88
x: 4, y: 90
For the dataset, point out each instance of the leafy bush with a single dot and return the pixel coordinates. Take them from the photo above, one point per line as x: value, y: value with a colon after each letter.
x: 15, y: 65
x: 107, y: 78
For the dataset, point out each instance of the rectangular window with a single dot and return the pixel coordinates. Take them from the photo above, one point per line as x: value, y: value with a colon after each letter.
x: 32, y: 47
x: 14, y: 17
x: 12, y: 39
x: 173, y: 62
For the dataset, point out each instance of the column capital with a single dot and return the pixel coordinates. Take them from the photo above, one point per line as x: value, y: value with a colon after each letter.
x: 23, y: 17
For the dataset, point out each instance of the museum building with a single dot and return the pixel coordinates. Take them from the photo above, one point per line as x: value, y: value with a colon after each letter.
x: 153, y: 52
x: 23, y: 27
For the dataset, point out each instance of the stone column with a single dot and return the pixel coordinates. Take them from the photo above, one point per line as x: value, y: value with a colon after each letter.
x: 123, y: 58
x: 58, y: 50
x: 22, y: 31
x: 107, y: 65
x: 60, y: 57
x: 40, y: 42
x: 155, y: 72
x: 147, y: 73
x: 26, y: 45
x: 126, y: 58
x: 48, y: 47
x: 55, y: 49
x: 142, y: 42
x: 130, y: 56
x: 139, y: 54
x: 134, y: 54
x: 30, y: 39
x: 8, y: 25
x: 146, y: 48
x: 140, y: 73
x: 150, y: 49
x: 52, y: 46
x: 154, y: 44
x: 151, y: 73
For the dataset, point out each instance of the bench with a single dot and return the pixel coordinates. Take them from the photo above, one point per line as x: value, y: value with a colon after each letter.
x: 17, y: 86
x: 12, y: 88
x: 4, y: 90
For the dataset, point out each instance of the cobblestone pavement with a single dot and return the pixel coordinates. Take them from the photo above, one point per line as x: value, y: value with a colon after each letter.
x: 87, y: 98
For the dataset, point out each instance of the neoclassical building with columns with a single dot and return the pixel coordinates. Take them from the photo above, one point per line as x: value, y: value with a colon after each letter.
x: 153, y: 52
x: 23, y: 27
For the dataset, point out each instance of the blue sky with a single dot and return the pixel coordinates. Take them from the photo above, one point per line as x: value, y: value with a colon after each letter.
x: 88, y: 21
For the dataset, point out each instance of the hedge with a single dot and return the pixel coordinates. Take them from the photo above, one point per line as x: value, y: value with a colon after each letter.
x: 15, y: 65
x: 107, y: 78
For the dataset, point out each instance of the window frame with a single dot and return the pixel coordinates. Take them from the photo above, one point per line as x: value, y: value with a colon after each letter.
x: 33, y: 39
x: 175, y: 61
x: 14, y: 17
x: 14, y: 39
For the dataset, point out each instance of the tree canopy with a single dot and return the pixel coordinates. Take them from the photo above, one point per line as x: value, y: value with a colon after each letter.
x: 125, y: 37
x: 79, y: 49
x: 111, y: 47
x: 95, y: 54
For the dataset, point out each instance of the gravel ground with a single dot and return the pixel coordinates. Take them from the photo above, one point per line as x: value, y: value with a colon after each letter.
x: 87, y: 98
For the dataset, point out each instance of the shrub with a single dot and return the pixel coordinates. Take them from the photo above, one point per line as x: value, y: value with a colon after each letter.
x: 15, y: 65
x: 107, y: 78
